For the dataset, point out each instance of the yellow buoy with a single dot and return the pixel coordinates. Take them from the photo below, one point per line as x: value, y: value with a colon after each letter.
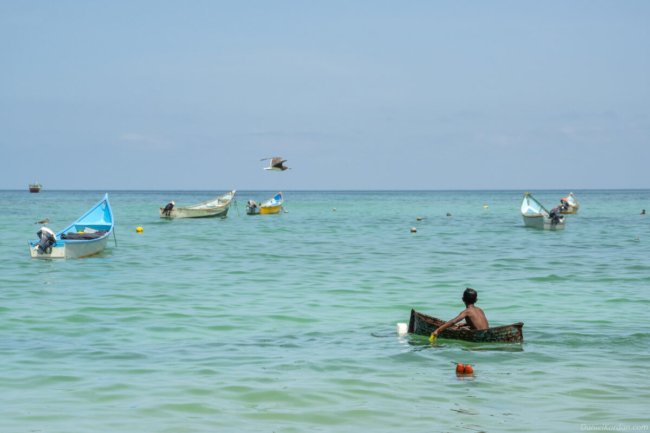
x: 139, y: 230
x: 419, y: 219
x: 334, y: 208
x: 484, y: 207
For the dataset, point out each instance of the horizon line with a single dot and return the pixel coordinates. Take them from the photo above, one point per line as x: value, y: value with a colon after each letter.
x: 331, y: 190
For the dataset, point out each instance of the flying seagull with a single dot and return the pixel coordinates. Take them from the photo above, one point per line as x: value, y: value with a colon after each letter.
x: 45, y: 221
x: 276, y: 164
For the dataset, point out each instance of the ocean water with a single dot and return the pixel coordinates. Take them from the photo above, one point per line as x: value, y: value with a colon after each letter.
x: 286, y: 323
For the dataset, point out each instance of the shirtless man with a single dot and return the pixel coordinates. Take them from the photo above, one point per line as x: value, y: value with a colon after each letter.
x: 474, y: 316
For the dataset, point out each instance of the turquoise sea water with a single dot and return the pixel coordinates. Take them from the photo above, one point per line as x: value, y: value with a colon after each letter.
x: 287, y: 322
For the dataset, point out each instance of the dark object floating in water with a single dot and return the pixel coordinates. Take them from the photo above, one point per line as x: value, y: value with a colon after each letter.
x: 448, y: 214
x: 421, y: 324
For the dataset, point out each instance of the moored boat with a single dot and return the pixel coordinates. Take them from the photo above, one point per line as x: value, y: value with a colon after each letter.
x: 272, y: 205
x: 35, y: 187
x: 574, y: 206
x: 421, y: 324
x: 85, y: 237
x: 252, y: 208
x: 217, y: 207
x: 535, y: 215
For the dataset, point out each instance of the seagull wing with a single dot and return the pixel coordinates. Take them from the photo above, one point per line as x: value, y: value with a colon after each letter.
x: 276, y: 162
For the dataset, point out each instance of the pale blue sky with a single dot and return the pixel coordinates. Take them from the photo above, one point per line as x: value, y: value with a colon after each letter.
x: 402, y: 95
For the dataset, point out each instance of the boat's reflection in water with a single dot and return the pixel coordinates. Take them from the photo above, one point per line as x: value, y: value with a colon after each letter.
x: 421, y: 343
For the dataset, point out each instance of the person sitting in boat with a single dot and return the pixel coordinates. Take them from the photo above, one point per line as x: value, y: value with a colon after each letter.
x: 474, y: 317
x: 643, y: 212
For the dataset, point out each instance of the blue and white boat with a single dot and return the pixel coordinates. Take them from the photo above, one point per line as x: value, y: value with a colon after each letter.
x: 535, y: 215
x: 84, y: 237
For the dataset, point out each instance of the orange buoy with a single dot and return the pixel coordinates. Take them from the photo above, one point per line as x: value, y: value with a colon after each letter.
x: 460, y: 368
x: 469, y: 369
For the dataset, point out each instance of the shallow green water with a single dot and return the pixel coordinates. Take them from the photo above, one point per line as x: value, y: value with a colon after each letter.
x: 287, y: 322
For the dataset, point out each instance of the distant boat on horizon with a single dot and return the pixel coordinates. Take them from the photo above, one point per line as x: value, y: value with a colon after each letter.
x: 35, y: 187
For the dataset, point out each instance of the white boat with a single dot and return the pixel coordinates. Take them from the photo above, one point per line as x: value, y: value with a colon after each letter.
x: 84, y: 237
x: 573, y: 205
x: 536, y: 215
x: 217, y: 207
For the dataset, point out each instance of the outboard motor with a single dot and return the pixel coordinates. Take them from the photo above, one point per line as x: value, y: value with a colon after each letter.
x: 556, y: 214
x: 251, y: 207
x: 47, y: 239
x: 168, y: 209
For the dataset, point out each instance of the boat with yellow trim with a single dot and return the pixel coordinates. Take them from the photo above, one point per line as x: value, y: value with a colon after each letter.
x: 272, y: 205
x: 573, y: 205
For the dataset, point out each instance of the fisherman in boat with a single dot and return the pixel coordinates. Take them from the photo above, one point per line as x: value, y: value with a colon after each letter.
x: 643, y: 212
x: 474, y: 317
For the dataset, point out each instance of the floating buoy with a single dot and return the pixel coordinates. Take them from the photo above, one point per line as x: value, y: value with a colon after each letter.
x: 484, y: 207
x: 286, y: 211
x: 448, y: 214
x: 139, y: 230
x: 414, y: 230
x: 460, y: 369
x: 402, y: 329
x: 419, y: 219
x: 469, y: 370
x: 334, y: 209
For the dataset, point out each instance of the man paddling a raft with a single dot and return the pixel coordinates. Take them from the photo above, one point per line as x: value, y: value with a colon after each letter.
x: 474, y: 317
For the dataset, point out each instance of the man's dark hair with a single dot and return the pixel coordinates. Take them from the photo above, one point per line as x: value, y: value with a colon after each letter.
x: 469, y: 297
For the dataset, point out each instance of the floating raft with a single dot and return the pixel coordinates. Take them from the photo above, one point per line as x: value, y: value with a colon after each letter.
x: 421, y: 324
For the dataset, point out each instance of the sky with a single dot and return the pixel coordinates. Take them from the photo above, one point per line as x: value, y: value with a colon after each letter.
x: 376, y: 95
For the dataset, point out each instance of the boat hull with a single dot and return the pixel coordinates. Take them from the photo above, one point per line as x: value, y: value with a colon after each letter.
x: 267, y: 210
x: 571, y: 211
x: 195, y: 213
x: 421, y: 324
x: 34, y: 190
x: 214, y: 208
x: 542, y: 222
x: 71, y: 249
